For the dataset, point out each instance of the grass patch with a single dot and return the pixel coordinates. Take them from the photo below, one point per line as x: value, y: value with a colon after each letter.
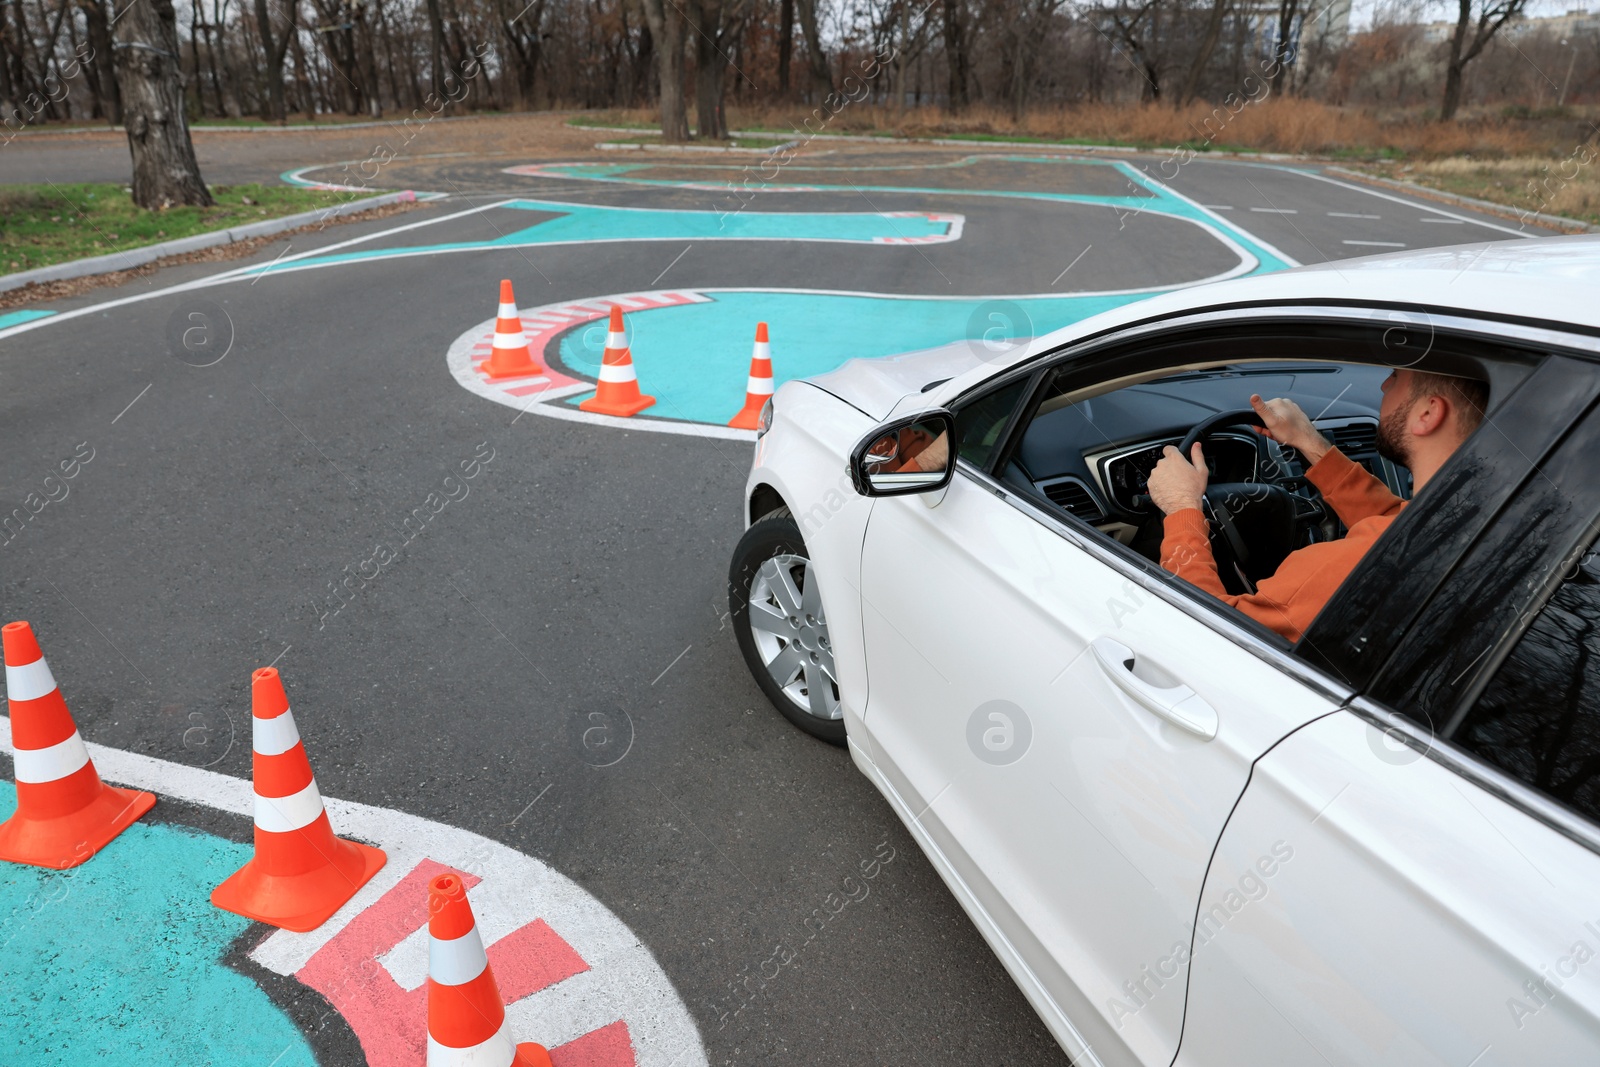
x: 1567, y: 186
x: 53, y: 223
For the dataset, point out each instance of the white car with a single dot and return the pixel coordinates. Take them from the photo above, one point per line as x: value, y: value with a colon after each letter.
x: 1188, y: 840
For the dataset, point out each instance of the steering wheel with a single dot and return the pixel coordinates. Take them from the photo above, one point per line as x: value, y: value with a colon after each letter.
x: 1259, y: 523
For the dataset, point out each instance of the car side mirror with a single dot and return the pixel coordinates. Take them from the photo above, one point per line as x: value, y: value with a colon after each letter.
x: 914, y: 454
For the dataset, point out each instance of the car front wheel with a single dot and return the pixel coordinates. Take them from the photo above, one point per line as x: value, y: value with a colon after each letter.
x: 782, y: 631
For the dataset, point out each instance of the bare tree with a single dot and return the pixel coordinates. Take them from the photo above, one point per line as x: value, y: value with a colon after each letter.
x: 667, y: 26
x: 821, y: 79
x: 275, y: 48
x: 1468, y: 41
x: 1134, y: 25
x: 717, y: 24
x: 165, y: 172
x: 104, y: 78
x: 1283, y: 49
x: 1202, y: 54
x: 957, y: 53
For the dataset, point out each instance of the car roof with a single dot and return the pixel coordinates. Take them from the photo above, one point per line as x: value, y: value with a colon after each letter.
x: 1554, y: 279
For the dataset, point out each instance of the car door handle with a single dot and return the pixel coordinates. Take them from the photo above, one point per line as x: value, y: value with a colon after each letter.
x: 1179, y: 705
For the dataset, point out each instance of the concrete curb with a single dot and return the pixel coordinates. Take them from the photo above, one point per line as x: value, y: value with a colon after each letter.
x: 138, y: 257
x: 618, y: 146
x: 1488, y: 207
x: 301, y: 127
x: 959, y: 142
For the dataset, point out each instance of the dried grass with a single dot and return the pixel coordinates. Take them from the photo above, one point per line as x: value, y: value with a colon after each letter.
x: 1567, y: 186
x: 1293, y: 125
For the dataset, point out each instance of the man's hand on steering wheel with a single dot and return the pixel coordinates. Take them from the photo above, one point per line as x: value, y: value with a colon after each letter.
x: 1177, y: 483
x: 1286, y: 424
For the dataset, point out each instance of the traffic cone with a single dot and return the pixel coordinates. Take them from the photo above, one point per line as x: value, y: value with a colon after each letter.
x: 301, y: 873
x: 511, y: 357
x: 65, y: 814
x: 759, y: 389
x: 466, y: 1018
x: 618, y: 391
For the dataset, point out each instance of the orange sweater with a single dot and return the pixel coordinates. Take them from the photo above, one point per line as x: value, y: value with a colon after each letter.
x: 1303, y: 582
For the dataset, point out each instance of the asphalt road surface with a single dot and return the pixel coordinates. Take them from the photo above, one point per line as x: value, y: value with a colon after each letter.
x: 578, y: 581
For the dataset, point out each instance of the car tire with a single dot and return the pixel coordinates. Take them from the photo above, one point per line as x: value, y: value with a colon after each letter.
x: 761, y: 603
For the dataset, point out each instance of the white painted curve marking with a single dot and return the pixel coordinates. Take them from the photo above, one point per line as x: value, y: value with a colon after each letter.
x: 624, y: 981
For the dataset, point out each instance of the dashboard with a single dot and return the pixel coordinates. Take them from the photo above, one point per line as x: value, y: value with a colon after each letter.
x: 1124, y: 474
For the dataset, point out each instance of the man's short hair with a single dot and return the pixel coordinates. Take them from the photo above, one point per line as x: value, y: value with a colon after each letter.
x: 1468, y: 396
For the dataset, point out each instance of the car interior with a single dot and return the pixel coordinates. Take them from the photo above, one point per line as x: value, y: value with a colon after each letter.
x: 1092, y: 430
x: 1091, y: 455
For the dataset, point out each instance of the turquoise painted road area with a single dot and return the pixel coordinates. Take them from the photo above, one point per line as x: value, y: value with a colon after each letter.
x: 17, y: 318
x: 694, y: 358
x: 119, y: 962
x: 582, y: 222
x: 1145, y: 195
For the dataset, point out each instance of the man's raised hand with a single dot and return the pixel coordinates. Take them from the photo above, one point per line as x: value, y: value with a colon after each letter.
x: 1288, y: 425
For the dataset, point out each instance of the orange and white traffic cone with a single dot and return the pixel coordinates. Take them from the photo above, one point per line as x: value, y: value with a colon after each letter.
x: 301, y: 874
x: 466, y: 1018
x: 759, y: 389
x: 510, y: 357
x: 65, y: 813
x: 618, y: 391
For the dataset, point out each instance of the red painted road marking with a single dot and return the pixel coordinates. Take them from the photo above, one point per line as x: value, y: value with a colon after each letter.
x: 391, y: 1022
x: 609, y: 1046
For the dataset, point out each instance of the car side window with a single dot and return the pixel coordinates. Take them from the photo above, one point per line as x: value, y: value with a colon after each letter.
x: 981, y: 422
x: 1539, y: 717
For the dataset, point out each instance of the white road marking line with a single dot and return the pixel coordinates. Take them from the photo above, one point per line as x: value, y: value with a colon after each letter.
x: 1444, y: 222
x: 1217, y: 207
x: 1350, y: 215
x: 1408, y: 203
x: 1376, y: 244
x: 1248, y: 260
x: 232, y: 275
x: 1275, y: 211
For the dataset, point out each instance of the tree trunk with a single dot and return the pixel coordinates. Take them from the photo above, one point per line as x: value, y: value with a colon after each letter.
x: 436, y: 26
x: 366, y: 54
x: 957, y: 60
x: 708, y: 91
x: 100, y: 64
x: 667, y: 27
x: 717, y: 24
x: 1202, y: 56
x: 274, y: 50
x: 785, y: 44
x: 821, y: 79
x: 1455, y: 65
x: 1283, y: 52
x: 165, y: 172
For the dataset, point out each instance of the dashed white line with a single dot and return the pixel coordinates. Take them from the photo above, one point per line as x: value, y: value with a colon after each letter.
x: 1217, y: 207
x: 1444, y: 222
x: 1350, y: 215
x: 1275, y: 211
x: 1377, y: 244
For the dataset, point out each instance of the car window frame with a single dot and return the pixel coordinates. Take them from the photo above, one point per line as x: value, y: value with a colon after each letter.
x: 1105, y: 349
x: 1478, y: 648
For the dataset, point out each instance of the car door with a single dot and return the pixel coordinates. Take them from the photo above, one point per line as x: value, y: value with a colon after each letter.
x: 1412, y: 882
x: 1066, y: 732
